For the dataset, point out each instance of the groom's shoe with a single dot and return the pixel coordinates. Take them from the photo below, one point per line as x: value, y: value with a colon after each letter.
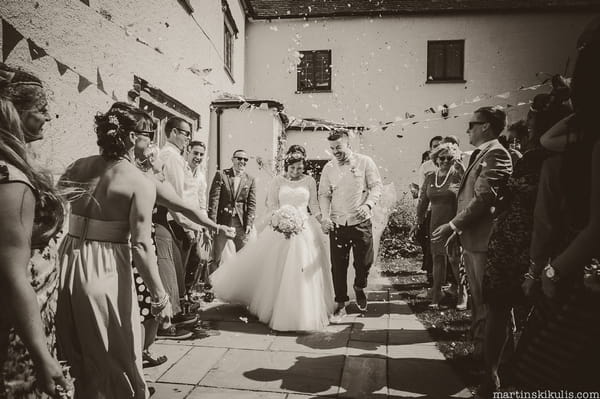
x: 340, y: 310
x: 361, y: 299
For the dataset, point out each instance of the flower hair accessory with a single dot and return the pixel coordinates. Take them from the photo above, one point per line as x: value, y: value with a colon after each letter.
x: 113, y: 120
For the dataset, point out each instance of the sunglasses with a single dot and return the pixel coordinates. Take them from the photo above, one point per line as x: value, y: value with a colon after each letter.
x: 473, y: 123
x: 445, y: 159
x: 242, y: 159
x: 145, y: 133
x: 184, y: 132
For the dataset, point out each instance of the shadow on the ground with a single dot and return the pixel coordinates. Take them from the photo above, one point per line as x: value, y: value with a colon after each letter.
x: 408, y: 375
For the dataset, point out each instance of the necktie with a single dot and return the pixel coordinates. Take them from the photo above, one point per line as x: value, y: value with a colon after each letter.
x: 474, y: 156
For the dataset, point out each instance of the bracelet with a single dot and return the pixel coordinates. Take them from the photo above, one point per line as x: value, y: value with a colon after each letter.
x: 160, y: 304
x: 530, y: 276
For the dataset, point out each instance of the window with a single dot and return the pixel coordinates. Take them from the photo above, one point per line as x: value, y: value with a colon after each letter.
x: 230, y: 33
x: 445, y: 61
x: 314, y: 71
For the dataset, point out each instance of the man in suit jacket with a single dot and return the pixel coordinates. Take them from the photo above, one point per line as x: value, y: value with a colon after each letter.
x: 232, y: 202
x: 489, y: 168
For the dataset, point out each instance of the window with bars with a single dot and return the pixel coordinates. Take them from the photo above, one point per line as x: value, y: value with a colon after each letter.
x: 445, y: 61
x: 314, y: 71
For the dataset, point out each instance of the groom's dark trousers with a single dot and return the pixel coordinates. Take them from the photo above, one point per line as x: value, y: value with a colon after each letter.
x: 342, y: 239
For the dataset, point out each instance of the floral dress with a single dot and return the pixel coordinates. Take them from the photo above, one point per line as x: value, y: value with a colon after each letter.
x: 18, y: 373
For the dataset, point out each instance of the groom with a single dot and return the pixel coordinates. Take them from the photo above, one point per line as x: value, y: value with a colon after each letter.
x: 350, y: 187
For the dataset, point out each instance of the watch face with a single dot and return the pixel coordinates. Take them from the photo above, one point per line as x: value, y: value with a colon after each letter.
x: 550, y: 272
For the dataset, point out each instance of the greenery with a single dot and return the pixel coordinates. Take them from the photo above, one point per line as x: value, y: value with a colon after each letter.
x: 395, y: 240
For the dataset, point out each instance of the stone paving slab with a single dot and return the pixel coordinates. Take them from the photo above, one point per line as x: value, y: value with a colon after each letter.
x: 173, y: 354
x: 239, y: 335
x: 171, y: 391
x: 278, y: 372
x: 193, y: 366
x: 357, y: 348
x: 220, y: 393
x: 364, y: 377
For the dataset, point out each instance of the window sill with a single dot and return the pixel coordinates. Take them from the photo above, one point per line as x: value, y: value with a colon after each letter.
x: 229, y: 74
x: 445, y: 81
x: 312, y: 91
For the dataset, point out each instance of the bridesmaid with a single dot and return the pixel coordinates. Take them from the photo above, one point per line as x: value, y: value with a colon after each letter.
x: 30, y: 216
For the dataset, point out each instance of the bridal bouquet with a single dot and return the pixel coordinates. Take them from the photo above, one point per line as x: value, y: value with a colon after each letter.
x: 287, y: 220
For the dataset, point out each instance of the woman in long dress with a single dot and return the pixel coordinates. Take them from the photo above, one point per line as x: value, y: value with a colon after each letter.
x: 97, y: 317
x: 285, y: 282
x: 31, y: 215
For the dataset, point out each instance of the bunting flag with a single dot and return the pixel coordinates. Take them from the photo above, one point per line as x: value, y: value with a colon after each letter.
x: 10, y: 38
x: 114, y: 97
x: 35, y: 51
x: 62, y: 68
x: 99, y: 81
x: 84, y: 83
x: 86, y: 2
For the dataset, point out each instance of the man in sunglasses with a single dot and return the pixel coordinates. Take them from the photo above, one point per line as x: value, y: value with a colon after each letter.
x: 232, y: 202
x: 177, y: 172
x: 488, y: 170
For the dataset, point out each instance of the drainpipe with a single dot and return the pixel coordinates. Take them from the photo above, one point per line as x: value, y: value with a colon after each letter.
x: 219, y: 111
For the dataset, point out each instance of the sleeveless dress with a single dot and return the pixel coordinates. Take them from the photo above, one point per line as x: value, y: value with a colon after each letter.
x: 285, y: 282
x: 16, y: 365
x: 97, y: 318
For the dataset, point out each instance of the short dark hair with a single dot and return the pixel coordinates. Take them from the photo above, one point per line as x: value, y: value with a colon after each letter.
x: 195, y: 143
x: 435, y: 138
x: 520, y: 128
x: 338, y: 133
x: 293, y: 158
x: 173, y: 122
x: 296, y: 148
x: 495, y: 117
x: 451, y: 139
x: 236, y: 151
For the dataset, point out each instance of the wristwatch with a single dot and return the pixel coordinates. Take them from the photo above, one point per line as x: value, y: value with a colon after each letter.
x: 551, y: 273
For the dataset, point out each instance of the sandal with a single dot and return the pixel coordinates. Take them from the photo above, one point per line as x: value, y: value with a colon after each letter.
x: 150, y: 361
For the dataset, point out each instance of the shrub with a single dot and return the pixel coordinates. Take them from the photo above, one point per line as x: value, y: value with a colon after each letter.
x: 395, y: 240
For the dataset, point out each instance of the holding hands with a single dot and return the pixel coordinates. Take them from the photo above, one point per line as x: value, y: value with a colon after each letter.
x: 363, y: 211
x: 326, y: 225
x: 228, y: 230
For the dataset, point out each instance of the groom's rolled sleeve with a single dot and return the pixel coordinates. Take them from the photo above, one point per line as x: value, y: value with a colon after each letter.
x: 325, y: 193
x: 374, y: 184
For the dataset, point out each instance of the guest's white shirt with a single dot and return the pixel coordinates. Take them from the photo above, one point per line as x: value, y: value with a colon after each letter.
x: 344, y: 188
x: 178, y: 173
x: 201, y: 187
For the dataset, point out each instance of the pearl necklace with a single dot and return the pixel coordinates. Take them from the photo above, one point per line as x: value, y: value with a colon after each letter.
x: 444, y: 182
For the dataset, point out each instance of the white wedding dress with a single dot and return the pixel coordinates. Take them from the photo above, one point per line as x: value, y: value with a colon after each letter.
x: 286, y: 283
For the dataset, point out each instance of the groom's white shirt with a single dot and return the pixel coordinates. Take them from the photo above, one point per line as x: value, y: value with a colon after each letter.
x: 344, y: 188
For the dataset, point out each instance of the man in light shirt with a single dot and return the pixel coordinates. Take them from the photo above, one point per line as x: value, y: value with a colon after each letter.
x: 178, y: 173
x: 350, y: 187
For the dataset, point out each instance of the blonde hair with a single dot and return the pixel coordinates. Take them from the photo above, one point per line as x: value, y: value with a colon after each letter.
x: 450, y: 148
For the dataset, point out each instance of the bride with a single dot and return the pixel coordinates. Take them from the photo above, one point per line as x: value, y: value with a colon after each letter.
x: 285, y: 280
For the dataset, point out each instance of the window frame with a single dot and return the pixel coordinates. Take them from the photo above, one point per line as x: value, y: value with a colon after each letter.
x: 230, y: 31
x: 314, y: 88
x: 430, y: 62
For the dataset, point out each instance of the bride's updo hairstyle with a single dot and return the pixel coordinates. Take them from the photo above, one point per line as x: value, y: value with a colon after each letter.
x: 113, y: 129
x: 293, y: 158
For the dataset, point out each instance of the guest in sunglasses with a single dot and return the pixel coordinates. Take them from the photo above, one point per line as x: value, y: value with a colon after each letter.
x: 232, y: 202
x: 439, y: 189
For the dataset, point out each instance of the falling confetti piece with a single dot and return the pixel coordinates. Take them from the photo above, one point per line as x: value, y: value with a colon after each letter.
x: 274, y: 28
x: 244, y: 319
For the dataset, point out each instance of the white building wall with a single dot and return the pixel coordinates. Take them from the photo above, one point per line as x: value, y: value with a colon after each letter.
x: 84, y: 39
x: 379, y: 70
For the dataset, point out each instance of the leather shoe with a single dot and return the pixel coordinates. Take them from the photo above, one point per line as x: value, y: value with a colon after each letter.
x: 361, y: 299
x: 184, y: 319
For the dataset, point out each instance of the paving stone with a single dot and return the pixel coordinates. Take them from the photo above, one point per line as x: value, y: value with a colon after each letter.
x: 193, y: 366
x: 357, y: 348
x: 408, y: 337
x: 399, y: 308
x: 426, y: 351
x: 370, y: 329
x: 173, y: 354
x: 227, y: 334
x: 377, y: 309
x: 170, y: 391
x: 226, y: 312
x: 377, y: 295
x: 327, y: 341
x: 364, y: 377
x: 277, y: 372
x: 221, y: 393
x: 406, y: 322
x: 418, y: 376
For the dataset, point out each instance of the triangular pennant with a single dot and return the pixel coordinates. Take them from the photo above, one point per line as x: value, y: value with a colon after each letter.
x: 99, y: 81
x: 114, y: 97
x: 84, y: 83
x: 10, y: 38
x: 86, y: 2
x: 62, y: 68
x: 35, y: 51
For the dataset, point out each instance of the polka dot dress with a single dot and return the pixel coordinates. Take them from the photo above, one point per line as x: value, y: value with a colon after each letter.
x: 143, y: 294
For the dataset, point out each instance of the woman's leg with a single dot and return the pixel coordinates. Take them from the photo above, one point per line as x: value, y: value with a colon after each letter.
x: 150, y: 327
x: 462, y: 294
x: 439, y: 274
x: 497, y: 331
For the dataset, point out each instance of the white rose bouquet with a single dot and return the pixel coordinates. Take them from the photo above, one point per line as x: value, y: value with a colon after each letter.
x: 287, y: 220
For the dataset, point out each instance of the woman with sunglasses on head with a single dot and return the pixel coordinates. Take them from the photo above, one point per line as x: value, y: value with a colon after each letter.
x: 31, y: 215
x: 440, y: 189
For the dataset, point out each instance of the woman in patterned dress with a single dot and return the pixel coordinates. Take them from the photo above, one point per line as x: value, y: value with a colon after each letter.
x: 30, y: 217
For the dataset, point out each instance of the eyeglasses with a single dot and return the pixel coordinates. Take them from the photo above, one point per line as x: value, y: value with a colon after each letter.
x: 145, y: 133
x: 473, y: 123
x: 184, y: 132
x: 241, y: 159
x: 445, y: 159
